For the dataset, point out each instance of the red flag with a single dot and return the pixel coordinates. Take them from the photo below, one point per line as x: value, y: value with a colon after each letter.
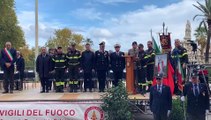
x: 169, y: 81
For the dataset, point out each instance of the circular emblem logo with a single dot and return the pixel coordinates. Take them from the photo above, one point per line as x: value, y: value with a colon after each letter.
x: 94, y: 113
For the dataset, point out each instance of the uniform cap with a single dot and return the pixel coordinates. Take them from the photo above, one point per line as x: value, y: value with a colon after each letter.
x: 159, y: 76
x: 102, y: 43
x: 117, y: 45
x: 194, y: 74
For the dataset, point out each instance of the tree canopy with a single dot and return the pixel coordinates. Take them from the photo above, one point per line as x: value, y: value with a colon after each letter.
x: 63, y: 37
x: 9, y: 28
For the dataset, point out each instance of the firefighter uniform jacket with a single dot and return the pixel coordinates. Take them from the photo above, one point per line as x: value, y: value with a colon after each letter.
x: 59, y: 61
x: 181, y: 52
x: 150, y: 56
x: 73, y: 58
x: 142, y: 60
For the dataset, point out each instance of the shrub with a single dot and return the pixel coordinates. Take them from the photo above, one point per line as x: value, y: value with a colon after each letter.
x: 115, y: 103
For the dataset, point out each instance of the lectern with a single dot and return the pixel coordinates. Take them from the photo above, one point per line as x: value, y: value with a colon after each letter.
x: 130, y: 86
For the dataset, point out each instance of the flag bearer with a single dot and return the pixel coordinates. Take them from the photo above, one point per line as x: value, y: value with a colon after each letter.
x: 150, y: 61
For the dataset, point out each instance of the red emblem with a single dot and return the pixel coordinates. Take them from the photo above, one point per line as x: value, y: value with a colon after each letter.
x: 94, y: 113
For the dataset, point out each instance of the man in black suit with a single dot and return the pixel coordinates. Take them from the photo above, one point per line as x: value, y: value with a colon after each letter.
x: 160, y: 99
x: 8, y: 58
x: 197, y: 99
x: 20, y: 65
x: 117, y: 61
x: 87, y: 65
x: 43, y: 68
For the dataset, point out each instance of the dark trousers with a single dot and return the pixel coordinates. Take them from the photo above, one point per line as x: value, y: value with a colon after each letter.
x: 142, y: 79
x: 88, y: 83
x: 8, y: 79
x: 196, y: 116
x: 19, y: 83
x: 150, y: 74
x: 74, y: 75
x: 50, y: 84
x: 45, y: 84
x: 117, y: 77
x: 59, y: 76
x: 160, y: 116
x: 101, y: 75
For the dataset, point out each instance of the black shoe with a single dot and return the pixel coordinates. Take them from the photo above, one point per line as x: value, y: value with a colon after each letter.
x: 42, y: 91
x: 85, y: 90
x: 71, y: 90
x: 11, y: 92
x: 90, y: 90
x: 5, y: 92
x: 61, y: 91
x: 100, y: 90
x: 47, y: 91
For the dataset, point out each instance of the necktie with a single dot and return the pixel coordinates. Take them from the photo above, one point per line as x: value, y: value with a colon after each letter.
x: 159, y: 88
x: 196, y: 90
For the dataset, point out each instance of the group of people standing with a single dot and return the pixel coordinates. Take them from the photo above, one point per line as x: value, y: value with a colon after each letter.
x: 58, y: 63
x: 144, y: 62
x: 55, y: 64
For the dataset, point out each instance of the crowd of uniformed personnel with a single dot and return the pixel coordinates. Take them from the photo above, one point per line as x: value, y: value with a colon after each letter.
x: 100, y: 62
x: 55, y: 64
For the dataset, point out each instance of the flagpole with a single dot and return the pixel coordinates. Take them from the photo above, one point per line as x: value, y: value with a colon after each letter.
x: 183, y: 102
x: 36, y: 36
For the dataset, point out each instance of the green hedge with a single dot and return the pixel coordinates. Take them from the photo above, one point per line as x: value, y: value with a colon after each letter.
x: 177, y: 112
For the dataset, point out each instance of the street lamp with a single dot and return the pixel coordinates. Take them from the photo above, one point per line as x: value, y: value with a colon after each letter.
x: 36, y: 36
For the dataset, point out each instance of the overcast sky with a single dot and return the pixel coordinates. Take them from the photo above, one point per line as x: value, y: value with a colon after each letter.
x: 112, y: 21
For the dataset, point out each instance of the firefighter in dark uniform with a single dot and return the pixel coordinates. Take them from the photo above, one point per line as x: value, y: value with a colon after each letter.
x: 150, y: 62
x: 59, y: 65
x: 101, y: 65
x: 179, y: 52
x: 141, y: 62
x: 117, y: 61
x: 73, y: 61
x: 87, y: 65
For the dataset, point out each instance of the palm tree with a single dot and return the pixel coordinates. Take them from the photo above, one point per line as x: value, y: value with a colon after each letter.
x: 201, y: 35
x: 206, y: 21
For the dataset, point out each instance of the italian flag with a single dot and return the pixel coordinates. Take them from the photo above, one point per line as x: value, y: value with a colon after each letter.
x: 155, y: 46
x: 180, y: 75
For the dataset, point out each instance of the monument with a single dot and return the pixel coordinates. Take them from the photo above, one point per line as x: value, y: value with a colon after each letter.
x: 193, y: 56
